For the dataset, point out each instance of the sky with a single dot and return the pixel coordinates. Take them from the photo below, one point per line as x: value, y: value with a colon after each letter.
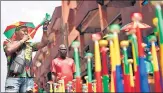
x: 30, y: 11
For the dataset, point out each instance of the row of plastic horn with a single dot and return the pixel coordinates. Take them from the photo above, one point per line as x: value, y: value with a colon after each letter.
x: 137, y: 50
x: 86, y: 87
x: 115, y: 62
x: 71, y: 86
x: 90, y: 85
x: 138, y: 54
x: 96, y: 37
x: 114, y: 29
x: 141, y: 83
x: 103, y: 44
x: 159, y: 28
x: 135, y: 28
x: 134, y: 34
x: 78, y: 85
x: 58, y: 87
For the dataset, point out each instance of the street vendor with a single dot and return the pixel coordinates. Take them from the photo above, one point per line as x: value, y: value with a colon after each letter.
x: 63, y: 66
x: 19, y: 54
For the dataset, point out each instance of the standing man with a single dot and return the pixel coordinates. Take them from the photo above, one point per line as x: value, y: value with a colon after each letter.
x: 63, y: 66
x: 19, y: 56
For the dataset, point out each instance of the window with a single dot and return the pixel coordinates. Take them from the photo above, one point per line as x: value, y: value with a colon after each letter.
x: 116, y: 20
x: 86, y: 49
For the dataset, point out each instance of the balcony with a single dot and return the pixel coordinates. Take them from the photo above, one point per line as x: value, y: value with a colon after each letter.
x: 71, y: 20
x: 55, y: 21
x: 83, y: 9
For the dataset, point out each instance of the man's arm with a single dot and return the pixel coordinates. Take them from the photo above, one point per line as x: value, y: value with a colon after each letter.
x: 43, y: 43
x: 7, y: 56
x: 53, y: 70
x: 44, y: 40
x: 13, y: 46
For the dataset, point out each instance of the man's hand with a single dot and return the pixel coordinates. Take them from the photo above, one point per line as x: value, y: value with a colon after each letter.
x: 45, y: 25
x: 58, y: 76
x: 25, y: 38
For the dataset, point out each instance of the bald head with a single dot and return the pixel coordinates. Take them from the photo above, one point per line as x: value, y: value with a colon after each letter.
x: 62, y: 51
x: 62, y: 47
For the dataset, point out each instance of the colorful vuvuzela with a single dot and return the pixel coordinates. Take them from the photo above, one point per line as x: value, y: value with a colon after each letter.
x: 86, y: 78
x: 47, y: 18
x: 61, y: 85
x: 156, y: 29
x: 55, y: 87
x: 94, y: 85
x: 51, y: 86
x: 96, y: 38
x: 69, y: 87
x: 78, y: 85
x: 133, y: 39
x: 110, y: 37
x: 157, y: 78
x: 158, y: 10
x: 88, y: 56
x: 115, y: 29
x: 105, y: 77
x: 137, y: 25
x: 130, y: 61
x: 74, y: 85
x: 84, y: 88
x: 127, y: 87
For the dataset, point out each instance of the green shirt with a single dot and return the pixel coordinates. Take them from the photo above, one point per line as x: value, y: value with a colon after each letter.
x: 28, y: 49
